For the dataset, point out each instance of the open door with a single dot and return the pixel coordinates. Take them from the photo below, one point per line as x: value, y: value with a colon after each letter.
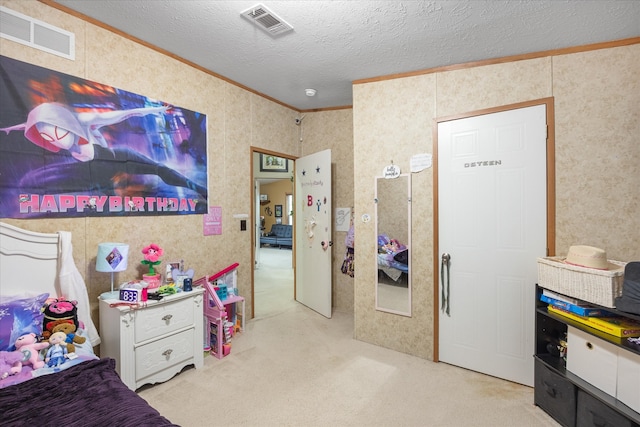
x: 492, y: 226
x: 313, y: 231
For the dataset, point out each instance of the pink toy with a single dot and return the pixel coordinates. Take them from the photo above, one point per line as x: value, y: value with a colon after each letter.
x: 152, y: 254
x: 10, y: 363
x: 30, y: 348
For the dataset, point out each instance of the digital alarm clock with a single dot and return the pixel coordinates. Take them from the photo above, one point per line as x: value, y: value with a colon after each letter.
x: 130, y: 295
x: 134, y: 291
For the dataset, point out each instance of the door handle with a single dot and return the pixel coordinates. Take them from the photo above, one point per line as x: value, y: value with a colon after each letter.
x: 445, y: 261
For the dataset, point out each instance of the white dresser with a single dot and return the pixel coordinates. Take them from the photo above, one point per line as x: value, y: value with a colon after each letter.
x: 154, y: 343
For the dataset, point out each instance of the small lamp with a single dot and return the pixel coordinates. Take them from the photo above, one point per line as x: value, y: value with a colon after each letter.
x: 111, y: 257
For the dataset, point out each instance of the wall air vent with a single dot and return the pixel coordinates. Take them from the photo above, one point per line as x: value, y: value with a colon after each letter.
x: 25, y: 30
x: 267, y: 20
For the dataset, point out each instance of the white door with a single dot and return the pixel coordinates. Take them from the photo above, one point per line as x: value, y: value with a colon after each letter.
x: 492, y: 223
x: 312, y: 219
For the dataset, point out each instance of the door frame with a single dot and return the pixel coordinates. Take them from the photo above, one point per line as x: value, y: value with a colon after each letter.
x: 551, y: 194
x: 252, y: 151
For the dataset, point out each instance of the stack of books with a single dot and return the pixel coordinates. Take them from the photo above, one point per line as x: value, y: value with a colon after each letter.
x: 572, y: 305
x: 594, y: 317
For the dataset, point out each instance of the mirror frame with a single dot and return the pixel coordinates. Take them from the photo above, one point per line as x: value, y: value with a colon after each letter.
x: 378, y: 307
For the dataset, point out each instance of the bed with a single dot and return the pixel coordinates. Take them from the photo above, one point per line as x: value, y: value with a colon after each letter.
x: 393, y: 259
x: 83, y: 391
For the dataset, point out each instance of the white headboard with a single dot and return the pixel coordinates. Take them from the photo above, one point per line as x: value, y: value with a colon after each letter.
x: 28, y: 261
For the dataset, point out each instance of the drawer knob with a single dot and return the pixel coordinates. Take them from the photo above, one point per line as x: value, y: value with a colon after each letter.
x: 167, y: 317
x: 167, y: 353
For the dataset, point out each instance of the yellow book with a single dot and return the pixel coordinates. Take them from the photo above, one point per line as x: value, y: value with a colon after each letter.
x: 617, y: 326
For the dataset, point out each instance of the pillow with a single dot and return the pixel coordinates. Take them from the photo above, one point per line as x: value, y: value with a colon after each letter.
x: 19, y: 315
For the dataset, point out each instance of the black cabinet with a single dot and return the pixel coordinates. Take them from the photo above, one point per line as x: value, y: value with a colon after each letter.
x: 569, y: 399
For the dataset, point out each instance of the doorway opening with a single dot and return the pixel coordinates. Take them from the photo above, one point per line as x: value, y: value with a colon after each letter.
x: 273, y: 254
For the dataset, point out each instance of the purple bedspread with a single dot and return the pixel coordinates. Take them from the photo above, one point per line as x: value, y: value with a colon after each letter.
x: 89, y: 394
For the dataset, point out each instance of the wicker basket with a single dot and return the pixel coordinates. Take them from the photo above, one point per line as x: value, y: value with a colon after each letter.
x: 595, y: 286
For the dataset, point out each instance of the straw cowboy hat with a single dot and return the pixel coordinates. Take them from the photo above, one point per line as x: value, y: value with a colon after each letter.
x: 589, y: 257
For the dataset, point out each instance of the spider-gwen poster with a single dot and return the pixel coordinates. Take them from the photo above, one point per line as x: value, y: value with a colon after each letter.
x: 70, y: 147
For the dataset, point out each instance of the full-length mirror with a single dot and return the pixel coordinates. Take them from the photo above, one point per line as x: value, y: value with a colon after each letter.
x: 393, y: 230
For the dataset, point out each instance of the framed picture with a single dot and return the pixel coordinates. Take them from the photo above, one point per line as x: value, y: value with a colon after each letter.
x: 169, y: 272
x: 269, y: 163
x: 278, y: 211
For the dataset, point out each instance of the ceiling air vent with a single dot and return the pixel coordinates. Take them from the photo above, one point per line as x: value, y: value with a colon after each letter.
x: 267, y: 20
x: 23, y: 29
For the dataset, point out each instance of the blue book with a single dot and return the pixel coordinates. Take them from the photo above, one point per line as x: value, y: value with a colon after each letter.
x: 580, y: 310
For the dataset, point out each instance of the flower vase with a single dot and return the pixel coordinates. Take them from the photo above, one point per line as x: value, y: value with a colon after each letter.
x: 153, y: 280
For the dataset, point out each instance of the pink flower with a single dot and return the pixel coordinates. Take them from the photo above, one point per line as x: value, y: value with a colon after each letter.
x: 152, y: 252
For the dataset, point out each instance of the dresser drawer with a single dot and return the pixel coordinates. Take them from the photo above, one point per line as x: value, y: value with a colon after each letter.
x: 163, y: 319
x: 592, y: 359
x: 594, y: 413
x: 555, y: 394
x: 158, y: 355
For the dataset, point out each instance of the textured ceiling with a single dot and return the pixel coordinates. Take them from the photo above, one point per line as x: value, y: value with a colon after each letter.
x: 334, y: 43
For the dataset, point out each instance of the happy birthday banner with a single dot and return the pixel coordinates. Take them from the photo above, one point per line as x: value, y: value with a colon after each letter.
x: 71, y: 147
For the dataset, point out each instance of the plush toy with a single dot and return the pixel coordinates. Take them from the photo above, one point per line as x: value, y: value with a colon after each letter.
x: 47, y: 329
x: 152, y: 254
x: 61, y: 309
x: 10, y: 363
x: 30, y: 347
x: 71, y: 337
x: 57, y: 352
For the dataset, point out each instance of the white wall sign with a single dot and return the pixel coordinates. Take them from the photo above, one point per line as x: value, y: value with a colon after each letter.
x: 391, y: 171
x: 420, y: 162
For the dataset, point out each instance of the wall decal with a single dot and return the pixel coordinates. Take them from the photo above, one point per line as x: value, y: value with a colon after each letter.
x: 212, y: 221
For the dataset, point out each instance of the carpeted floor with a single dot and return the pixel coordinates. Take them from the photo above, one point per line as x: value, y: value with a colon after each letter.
x: 273, y: 281
x: 293, y: 367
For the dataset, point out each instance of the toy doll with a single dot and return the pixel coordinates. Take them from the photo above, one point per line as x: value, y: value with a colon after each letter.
x: 57, y: 353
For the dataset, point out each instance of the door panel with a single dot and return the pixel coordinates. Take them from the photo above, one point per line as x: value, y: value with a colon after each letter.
x: 313, y: 227
x: 492, y: 221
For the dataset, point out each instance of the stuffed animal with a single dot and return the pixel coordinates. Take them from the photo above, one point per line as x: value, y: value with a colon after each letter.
x: 30, y: 348
x: 71, y: 337
x: 10, y: 363
x: 47, y: 328
x: 57, y: 352
x: 61, y: 309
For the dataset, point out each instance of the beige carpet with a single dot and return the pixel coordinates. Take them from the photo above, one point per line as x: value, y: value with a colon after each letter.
x: 273, y: 281
x: 293, y: 367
